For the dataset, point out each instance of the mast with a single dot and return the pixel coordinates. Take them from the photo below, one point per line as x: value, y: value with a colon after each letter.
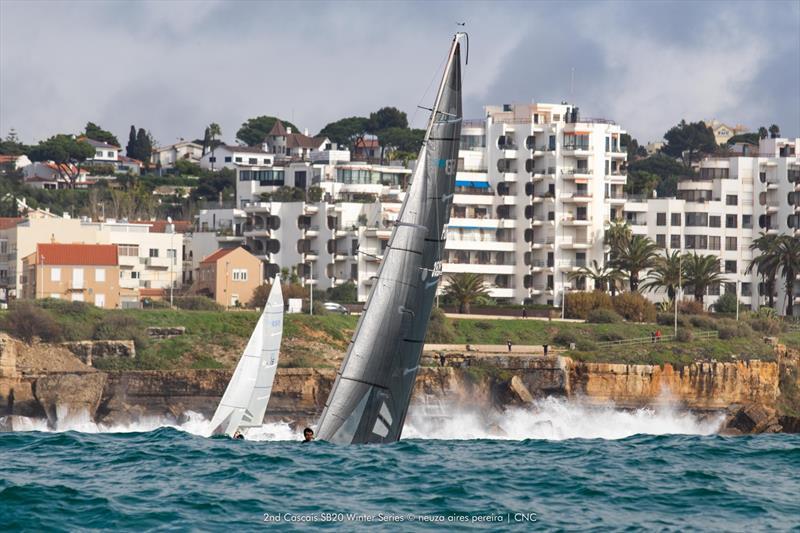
x: 369, y: 399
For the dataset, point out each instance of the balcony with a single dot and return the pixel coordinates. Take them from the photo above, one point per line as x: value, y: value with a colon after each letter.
x: 337, y: 257
x: 580, y: 197
x: 576, y: 244
x: 572, y: 173
x: 576, y: 149
x: 474, y: 268
x: 256, y: 231
x: 311, y: 255
x: 579, y: 221
x: 158, y: 262
x: 310, y: 209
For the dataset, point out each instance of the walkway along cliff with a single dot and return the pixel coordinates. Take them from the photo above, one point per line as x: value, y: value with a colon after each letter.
x: 485, y: 382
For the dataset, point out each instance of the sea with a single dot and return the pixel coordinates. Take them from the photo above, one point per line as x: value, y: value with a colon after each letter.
x: 553, y: 466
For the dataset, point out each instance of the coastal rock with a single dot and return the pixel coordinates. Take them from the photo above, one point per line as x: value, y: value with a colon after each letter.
x: 518, y: 391
x: 65, y: 394
x: 8, y: 357
x: 751, y: 419
x: 790, y: 424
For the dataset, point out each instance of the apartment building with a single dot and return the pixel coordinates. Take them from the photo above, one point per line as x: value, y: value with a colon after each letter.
x: 723, y: 210
x: 150, y: 254
x: 229, y: 276
x: 75, y: 272
x: 535, y: 187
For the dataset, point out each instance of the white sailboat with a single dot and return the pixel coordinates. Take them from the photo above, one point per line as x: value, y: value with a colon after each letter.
x: 245, y: 400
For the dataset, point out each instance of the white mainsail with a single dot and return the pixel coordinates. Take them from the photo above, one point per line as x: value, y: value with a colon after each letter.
x: 245, y: 400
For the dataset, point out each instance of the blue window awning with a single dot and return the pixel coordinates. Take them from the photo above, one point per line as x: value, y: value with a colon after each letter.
x: 473, y: 184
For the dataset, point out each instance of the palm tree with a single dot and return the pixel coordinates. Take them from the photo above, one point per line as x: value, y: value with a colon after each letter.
x: 766, y: 263
x: 603, y: 276
x: 788, y: 257
x: 774, y: 131
x: 700, y: 272
x: 465, y: 288
x: 637, y: 254
x: 665, y: 274
x: 618, y: 235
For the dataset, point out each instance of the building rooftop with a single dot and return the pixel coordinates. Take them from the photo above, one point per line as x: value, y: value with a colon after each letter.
x: 216, y: 256
x: 99, y: 144
x: 76, y: 254
x: 9, y: 222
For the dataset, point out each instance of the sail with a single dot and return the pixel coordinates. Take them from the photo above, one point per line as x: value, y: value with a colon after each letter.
x: 370, y: 397
x: 245, y: 400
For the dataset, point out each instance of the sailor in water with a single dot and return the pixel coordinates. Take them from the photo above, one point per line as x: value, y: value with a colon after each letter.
x: 308, y: 435
x: 238, y: 435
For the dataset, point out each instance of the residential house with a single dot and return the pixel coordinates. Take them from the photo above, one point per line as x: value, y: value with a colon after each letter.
x: 75, y: 272
x: 229, y: 276
x: 227, y: 156
x: 286, y: 144
x: 17, y: 161
x: 46, y: 175
x: 723, y: 132
x: 167, y: 156
x: 366, y: 149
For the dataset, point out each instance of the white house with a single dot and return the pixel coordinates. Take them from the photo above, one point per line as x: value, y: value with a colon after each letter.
x: 45, y: 175
x: 167, y: 156
x: 286, y: 144
x: 103, y: 152
x: 227, y: 156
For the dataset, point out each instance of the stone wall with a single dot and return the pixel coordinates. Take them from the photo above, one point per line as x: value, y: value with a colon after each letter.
x: 88, y: 351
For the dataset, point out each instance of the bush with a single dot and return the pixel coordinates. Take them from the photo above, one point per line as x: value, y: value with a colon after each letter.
x: 732, y: 329
x: 611, y: 336
x: 484, y: 325
x: 690, y: 307
x: 586, y: 345
x: 668, y: 319
x: 767, y: 326
x: 603, y: 316
x: 197, y: 303
x: 346, y: 293
x: 565, y: 338
x: 579, y: 304
x: 120, y: 327
x: 26, y: 321
x: 703, y: 322
x: 726, y: 303
x: 635, y: 307
x: 685, y: 335
x: 440, y: 328
x: 149, y: 303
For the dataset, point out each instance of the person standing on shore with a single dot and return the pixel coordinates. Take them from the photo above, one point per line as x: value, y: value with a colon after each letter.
x: 524, y: 313
x: 509, y: 345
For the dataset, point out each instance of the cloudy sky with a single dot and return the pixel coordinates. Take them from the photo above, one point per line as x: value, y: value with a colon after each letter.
x: 174, y: 66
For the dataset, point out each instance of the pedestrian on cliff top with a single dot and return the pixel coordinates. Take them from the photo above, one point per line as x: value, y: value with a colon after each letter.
x: 524, y: 313
x: 509, y: 345
x: 653, y: 337
x: 658, y: 335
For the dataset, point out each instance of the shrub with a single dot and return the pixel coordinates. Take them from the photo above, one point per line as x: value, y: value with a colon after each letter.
x: 579, y: 304
x: 603, y: 316
x: 565, y: 338
x: 197, y: 303
x: 440, y: 328
x: 481, y: 324
x: 149, y: 303
x: 635, y: 307
x: 346, y: 293
x: 685, y: 335
x: 729, y: 329
x: 703, y: 322
x: 120, y: 327
x: 690, y: 307
x: 611, y: 336
x: 586, y: 345
x: 668, y: 319
x: 767, y: 326
x: 726, y: 303
x: 26, y: 321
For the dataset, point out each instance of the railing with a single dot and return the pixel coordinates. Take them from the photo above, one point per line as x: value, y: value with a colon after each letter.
x: 573, y: 171
x: 651, y: 340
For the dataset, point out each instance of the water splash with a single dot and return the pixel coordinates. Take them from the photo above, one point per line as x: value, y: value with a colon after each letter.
x: 556, y: 419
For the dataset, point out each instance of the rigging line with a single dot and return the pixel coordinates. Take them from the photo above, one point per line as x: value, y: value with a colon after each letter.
x: 425, y: 94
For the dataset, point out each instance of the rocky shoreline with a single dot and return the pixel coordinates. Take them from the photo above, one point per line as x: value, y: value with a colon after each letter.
x: 747, y: 391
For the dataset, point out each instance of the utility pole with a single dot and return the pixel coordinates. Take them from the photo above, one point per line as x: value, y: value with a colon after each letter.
x: 680, y: 279
x: 311, y: 288
x: 563, y: 296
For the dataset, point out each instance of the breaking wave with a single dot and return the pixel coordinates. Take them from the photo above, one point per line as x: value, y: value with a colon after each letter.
x: 548, y: 419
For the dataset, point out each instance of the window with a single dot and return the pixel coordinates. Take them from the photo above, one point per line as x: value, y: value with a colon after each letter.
x: 266, y: 161
x: 713, y: 290
x: 691, y: 242
x: 661, y: 219
x: 730, y: 267
x: 212, y: 159
x: 98, y: 153
x: 252, y: 161
x: 674, y: 241
x: 661, y: 240
x: 239, y: 274
x: 100, y: 275
x: 573, y: 141
x: 714, y: 221
x: 55, y: 274
x: 153, y: 252
x: 713, y: 243
x: 731, y: 199
x: 747, y: 221
x: 714, y: 173
x: 730, y: 288
x: 730, y: 243
x: 228, y: 159
x: 675, y: 219
x: 128, y: 250
x: 747, y: 289
x: 135, y: 274
x: 730, y: 221
x: 238, y: 159
x: 110, y: 154
x: 697, y: 219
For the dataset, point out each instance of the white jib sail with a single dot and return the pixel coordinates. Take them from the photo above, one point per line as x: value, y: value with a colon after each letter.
x: 245, y: 400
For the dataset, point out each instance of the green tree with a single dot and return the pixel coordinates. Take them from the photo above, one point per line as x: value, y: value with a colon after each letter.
x: 762, y: 132
x: 787, y: 254
x: 766, y: 263
x: 346, y: 293
x: 401, y: 139
x: 67, y: 152
x: 686, y: 140
x: 96, y: 133
x: 465, y: 289
x: 11, y: 144
x: 632, y: 147
x: 774, y: 131
x: 131, y: 147
x: 727, y: 303
x: 385, y: 118
x: 346, y: 131
x: 144, y: 147
x: 602, y: 276
x: 665, y: 274
x: 635, y: 255
x: 668, y: 170
x: 255, y: 130
x: 701, y: 272
x: 751, y: 138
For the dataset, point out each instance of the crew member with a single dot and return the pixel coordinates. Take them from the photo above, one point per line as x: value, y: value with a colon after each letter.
x: 238, y: 435
x: 308, y: 435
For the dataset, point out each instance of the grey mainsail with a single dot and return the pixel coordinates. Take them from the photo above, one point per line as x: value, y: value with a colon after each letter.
x: 370, y: 397
x: 245, y: 400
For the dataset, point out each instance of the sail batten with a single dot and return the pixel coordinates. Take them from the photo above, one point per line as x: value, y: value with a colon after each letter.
x: 370, y: 397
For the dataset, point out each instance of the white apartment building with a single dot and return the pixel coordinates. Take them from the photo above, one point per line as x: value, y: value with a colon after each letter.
x: 213, y: 229
x: 535, y: 188
x: 147, y: 259
x: 722, y: 211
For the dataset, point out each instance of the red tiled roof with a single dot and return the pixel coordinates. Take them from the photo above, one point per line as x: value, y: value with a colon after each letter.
x: 151, y: 292
x: 9, y: 222
x: 222, y: 252
x: 76, y: 254
x: 278, y: 129
x: 9, y: 158
x: 160, y: 226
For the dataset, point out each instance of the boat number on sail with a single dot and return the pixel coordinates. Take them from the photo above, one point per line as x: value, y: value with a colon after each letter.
x: 437, y: 269
x: 449, y: 166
